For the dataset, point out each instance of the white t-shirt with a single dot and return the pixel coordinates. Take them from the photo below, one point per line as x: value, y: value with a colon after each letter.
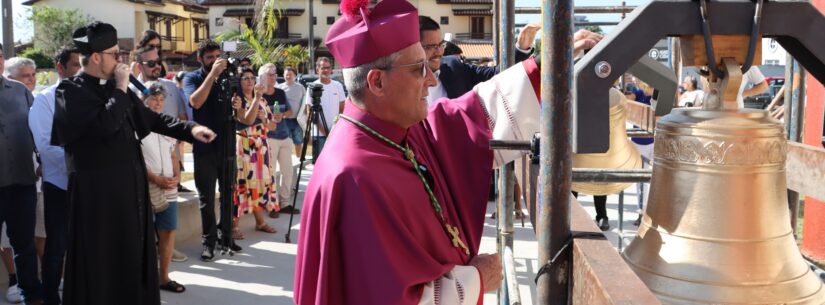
x: 693, y: 97
x: 436, y: 92
x: 157, y: 153
x: 752, y: 77
x: 331, y: 99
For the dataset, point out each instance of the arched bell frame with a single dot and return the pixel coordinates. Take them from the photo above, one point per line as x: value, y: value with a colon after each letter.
x: 796, y: 26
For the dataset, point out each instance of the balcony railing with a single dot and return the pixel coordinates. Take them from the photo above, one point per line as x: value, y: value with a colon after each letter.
x: 474, y: 36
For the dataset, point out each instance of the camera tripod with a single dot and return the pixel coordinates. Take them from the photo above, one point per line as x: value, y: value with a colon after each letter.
x: 316, y: 113
x: 229, y: 170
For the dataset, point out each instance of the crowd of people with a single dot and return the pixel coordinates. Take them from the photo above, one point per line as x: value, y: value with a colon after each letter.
x: 45, y: 198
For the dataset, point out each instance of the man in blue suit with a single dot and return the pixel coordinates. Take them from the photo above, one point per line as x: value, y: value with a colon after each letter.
x: 455, y: 78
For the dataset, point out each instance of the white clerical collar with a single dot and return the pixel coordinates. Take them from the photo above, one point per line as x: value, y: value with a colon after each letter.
x: 103, y: 82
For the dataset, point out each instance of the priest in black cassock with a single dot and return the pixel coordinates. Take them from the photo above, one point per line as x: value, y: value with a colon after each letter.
x: 111, y: 256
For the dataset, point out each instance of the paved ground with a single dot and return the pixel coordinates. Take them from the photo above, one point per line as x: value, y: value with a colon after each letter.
x: 263, y: 273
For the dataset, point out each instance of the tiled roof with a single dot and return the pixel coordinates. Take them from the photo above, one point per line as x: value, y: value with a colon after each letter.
x: 472, y: 12
x: 224, y: 2
x: 476, y: 50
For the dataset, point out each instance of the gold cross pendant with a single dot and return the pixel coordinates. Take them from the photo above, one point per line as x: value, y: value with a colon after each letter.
x: 457, y: 242
x: 409, y: 154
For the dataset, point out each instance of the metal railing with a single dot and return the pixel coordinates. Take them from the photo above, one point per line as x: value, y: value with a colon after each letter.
x: 553, y: 229
x: 470, y: 36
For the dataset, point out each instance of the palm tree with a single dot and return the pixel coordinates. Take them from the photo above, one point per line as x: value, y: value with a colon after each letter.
x: 295, y: 55
x: 261, y: 40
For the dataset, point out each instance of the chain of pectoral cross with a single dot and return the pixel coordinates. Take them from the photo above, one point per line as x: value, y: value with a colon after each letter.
x: 452, y: 231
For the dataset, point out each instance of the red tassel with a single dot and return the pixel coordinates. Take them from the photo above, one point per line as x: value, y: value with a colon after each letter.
x: 352, y: 8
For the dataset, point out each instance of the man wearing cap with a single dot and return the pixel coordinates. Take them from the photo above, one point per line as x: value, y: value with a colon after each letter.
x: 395, y: 216
x: 111, y: 256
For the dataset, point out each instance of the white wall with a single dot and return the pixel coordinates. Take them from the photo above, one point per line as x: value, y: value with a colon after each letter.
x: 772, y: 51
x: 118, y: 13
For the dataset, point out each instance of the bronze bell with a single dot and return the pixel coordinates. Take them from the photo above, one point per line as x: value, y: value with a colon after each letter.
x: 716, y: 228
x: 621, y: 155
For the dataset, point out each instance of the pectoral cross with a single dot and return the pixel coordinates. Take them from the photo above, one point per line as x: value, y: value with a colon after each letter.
x: 457, y: 242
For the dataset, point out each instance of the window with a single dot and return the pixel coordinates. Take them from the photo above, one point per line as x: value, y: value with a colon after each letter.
x: 219, y: 21
x: 314, y: 20
x: 445, y: 20
x: 168, y: 25
x: 200, y: 28
x: 283, y: 27
x: 330, y: 19
x: 477, y: 27
x: 250, y: 22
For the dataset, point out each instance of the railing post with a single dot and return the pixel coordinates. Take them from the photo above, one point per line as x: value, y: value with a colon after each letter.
x: 556, y: 113
x: 506, y: 13
x: 794, y: 113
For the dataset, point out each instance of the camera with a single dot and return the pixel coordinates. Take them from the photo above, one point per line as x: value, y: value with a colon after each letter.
x: 229, y: 78
x: 315, y: 92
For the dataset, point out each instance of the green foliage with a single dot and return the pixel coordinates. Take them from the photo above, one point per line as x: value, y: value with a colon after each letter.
x: 44, y: 78
x: 295, y: 55
x: 54, y: 26
x: 595, y: 29
x: 40, y: 58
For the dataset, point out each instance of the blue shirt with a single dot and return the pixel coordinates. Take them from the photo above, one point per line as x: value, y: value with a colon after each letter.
x: 52, y: 158
x: 16, y: 144
x: 209, y: 114
x: 278, y: 99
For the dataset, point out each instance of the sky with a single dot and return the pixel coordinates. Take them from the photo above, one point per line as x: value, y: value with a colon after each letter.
x: 23, y: 29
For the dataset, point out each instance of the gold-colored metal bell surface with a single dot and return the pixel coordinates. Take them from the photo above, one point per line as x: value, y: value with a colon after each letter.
x: 716, y: 229
x: 622, y: 154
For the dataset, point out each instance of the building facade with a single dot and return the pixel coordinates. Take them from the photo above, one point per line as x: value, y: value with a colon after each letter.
x: 467, y: 22
x: 182, y: 24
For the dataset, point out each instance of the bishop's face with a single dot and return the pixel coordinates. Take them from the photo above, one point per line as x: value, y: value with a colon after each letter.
x: 407, y: 81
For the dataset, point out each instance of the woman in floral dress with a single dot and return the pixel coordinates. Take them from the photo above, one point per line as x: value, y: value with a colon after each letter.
x: 254, y: 191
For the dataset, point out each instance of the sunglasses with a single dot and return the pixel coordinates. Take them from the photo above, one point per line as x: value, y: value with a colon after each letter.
x: 150, y: 63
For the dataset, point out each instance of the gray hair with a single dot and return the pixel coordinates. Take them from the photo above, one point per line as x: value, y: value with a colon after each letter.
x: 266, y: 67
x: 14, y: 64
x: 355, y: 78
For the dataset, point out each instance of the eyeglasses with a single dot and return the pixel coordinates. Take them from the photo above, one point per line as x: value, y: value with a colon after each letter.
x: 432, y: 47
x: 115, y: 55
x: 423, y: 63
x: 150, y: 63
x: 248, y: 78
x: 325, y: 68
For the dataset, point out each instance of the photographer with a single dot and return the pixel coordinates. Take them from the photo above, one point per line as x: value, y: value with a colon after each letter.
x: 204, y: 97
x: 332, y: 101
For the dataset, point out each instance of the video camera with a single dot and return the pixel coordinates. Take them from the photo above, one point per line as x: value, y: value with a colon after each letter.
x: 230, y: 78
x: 315, y: 92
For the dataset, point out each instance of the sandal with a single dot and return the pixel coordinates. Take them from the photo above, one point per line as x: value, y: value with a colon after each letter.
x: 236, y: 234
x: 173, y: 287
x: 266, y: 229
